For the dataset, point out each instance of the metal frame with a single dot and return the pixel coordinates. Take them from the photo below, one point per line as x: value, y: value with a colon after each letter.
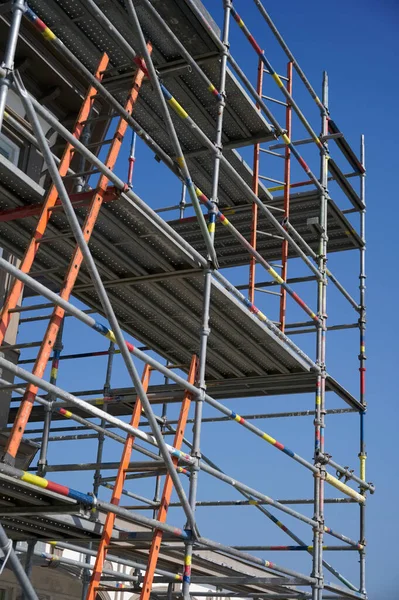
x: 196, y: 277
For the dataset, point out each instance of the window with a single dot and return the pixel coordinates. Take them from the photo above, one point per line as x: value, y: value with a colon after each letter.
x: 57, y: 551
x: 108, y: 565
x: 9, y: 149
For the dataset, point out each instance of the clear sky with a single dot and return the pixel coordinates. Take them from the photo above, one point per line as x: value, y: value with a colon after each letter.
x: 356, y: 42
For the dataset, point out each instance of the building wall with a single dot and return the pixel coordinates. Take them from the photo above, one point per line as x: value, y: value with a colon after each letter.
x: 53, y: 583
x: 19, y: 152
x: 49, y: 584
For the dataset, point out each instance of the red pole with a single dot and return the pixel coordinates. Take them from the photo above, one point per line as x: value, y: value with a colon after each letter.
x: 116, y: 494
x: 255, y: 187
x: 287, y: 182
x: 80, y: 199
x: 167, y: 491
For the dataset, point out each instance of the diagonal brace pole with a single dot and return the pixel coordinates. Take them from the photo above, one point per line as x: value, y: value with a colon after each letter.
x: 172, y: 133
x: 117, y: 336
x: 71, y: 276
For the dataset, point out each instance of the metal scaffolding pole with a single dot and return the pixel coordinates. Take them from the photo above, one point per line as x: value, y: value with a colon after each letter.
x: 11, y: 556
x: 255, y: 187
x: 99, y: 457
x: 287, y: 183
x: 132, y: 159
x: 195, y: 72
x: 362, y: 362
x: 17, y: 10
x: 163, y: 427
x: 90, y: 264
x: 206, y: 299
x: 29, y: 561
x: 155, y: 364
x: 101, y: 434
x: 48, y: 408
x: 320, y: 476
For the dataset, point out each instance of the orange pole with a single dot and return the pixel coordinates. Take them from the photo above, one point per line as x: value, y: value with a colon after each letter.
x: 287, y: 182
x: 71, y: 275
x: 167, y: 490
x: 116, y: 494
x: 255, y: 188
x: 51, y: 199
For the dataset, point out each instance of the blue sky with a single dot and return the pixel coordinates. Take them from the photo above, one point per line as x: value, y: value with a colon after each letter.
x: 356, y: 43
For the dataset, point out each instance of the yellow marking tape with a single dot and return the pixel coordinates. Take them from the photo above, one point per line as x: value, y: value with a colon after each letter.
x: 48, y: 35
x: 345, y: 489
x: 268, y: 438
x: 277, y: 80
x: 179, y: 110
x: 34, y: 479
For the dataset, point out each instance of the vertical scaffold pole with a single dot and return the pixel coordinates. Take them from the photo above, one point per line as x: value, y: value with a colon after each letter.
x: 162, y: 428
x: 116, y: 493
x: 48, y: 409
x: 155, y: 547
x: 362, y: 362
x: 317, y: 590
x: 132, y: 159
x: 205, y: 331
x: 182, y: 204
x: 29, y: 561
x: 287, y: 182
x: 255, y: 187
x: 17, y: 10
x: 101, y: 436
x: 10, y: 555
x: 164, y: 100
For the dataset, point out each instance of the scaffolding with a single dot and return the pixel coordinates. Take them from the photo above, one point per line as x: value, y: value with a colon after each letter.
x: 93, y: 253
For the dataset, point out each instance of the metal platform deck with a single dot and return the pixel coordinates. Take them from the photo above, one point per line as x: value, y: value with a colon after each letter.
x: 243, y: 124
x: 155, y: 283
x: 123, y: 399
x: 32, y: 512
x: 304, y: 206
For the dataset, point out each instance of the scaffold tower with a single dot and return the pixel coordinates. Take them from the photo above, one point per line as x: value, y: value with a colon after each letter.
x: 147, y: 449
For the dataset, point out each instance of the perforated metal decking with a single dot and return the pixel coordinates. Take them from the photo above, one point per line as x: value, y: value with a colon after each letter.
x: 163, y: 313
x: 155, y: 283
x: 304, y: 209
x: 243, y: 124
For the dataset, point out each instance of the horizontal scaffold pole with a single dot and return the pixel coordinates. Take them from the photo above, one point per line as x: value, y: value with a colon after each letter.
x: 90, y: 501
x: 99, y: 327
x: 120, y: 185
x: 58, y: 392
x: 182, y: 114
x: 91, y: 266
